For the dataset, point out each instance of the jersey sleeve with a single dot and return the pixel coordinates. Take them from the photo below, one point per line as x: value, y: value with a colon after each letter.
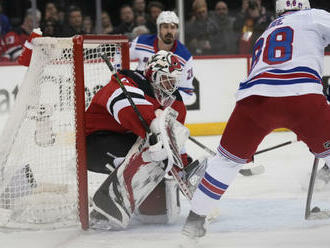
x: 321, y: 19
x: 132, y: 51
x: 13, y: 47
x: 122, y: 111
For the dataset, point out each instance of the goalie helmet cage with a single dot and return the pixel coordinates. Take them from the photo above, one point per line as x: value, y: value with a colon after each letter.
x: 43, y: 174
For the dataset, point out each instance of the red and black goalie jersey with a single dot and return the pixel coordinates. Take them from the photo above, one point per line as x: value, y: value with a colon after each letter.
x: 110, y: 109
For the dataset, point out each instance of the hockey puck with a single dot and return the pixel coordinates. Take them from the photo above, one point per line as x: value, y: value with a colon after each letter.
x: 316, y: 210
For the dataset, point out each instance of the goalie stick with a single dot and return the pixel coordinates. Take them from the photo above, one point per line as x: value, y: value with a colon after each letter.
x: 182, y: 185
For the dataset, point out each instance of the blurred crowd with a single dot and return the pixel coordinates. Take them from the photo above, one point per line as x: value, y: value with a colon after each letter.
x: 209, y: 30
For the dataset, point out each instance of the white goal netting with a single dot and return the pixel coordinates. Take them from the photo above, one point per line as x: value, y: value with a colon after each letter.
x: 38, y: 155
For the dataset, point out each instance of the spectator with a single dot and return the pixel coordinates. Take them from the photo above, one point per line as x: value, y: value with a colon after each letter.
x: 51, y: 11
x: 127, y: 21
x: 88, y: 25
x: 61, y: 16
x: 74, y: 22
x: 49, y: 27
x: 140, y: 20
x: 138, y: 30
x: 107, y: 26
x: 14, y: 40
x: 4, y: 22
x: 201, y: 31
x: 250, y: 23
x: 50, y: 24
x: 139, y: 7
x: 226, y: 39
x: 154, y: 9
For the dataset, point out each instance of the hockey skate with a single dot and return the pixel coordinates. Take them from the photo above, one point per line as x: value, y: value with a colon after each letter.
x: 108, y: 208
x: 193, y: 229
x: 195, y: 225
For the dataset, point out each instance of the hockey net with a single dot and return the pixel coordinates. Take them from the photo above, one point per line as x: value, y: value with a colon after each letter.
x: 43, y: 176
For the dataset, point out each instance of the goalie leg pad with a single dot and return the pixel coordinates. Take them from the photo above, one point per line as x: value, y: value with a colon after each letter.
x: 109, y: 211
x: 162, y: 206
x: 125, y: 189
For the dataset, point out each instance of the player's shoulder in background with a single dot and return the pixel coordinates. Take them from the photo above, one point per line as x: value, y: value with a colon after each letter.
x: 182, y: 51
x: 146, y: 39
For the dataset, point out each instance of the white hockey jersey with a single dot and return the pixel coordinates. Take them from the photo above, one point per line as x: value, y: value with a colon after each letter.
x: 287, y: 59
x: 144, y: 46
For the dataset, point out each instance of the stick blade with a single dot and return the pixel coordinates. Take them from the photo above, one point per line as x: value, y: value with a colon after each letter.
x: 317, y: 214
x: 256, y: 170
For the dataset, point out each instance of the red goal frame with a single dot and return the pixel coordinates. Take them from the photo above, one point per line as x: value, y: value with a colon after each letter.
x: 78, y: 42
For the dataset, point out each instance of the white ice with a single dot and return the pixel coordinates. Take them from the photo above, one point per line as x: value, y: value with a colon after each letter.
x: 259, y: 211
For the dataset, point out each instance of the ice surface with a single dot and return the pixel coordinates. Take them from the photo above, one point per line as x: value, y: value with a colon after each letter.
x: 259, y: 211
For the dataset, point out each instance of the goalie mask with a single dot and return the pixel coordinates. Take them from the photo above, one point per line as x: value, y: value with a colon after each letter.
x: 287, y: 5
x: 163, y: 69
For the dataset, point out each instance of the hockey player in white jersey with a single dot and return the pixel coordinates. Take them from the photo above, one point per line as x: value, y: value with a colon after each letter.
x: 144, y: 46
x: 283, y: 89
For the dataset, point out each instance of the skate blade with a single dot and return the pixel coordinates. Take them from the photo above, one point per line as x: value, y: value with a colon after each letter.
x: 188, y: 242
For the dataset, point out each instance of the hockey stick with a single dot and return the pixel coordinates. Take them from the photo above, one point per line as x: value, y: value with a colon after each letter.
x: 252, y: 171
x: 202, y: 146
x: 153, y: 139
x: 277, y: 146
x: 314, y: 213
x: 256, y: 170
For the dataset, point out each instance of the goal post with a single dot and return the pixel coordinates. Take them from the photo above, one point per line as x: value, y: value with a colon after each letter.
x: 78, y: 58
x: 44, y: 181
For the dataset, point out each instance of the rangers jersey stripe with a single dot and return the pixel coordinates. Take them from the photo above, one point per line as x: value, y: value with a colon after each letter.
x: 282, y: 65
x: 230, y: 156
x: 284, y: 77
